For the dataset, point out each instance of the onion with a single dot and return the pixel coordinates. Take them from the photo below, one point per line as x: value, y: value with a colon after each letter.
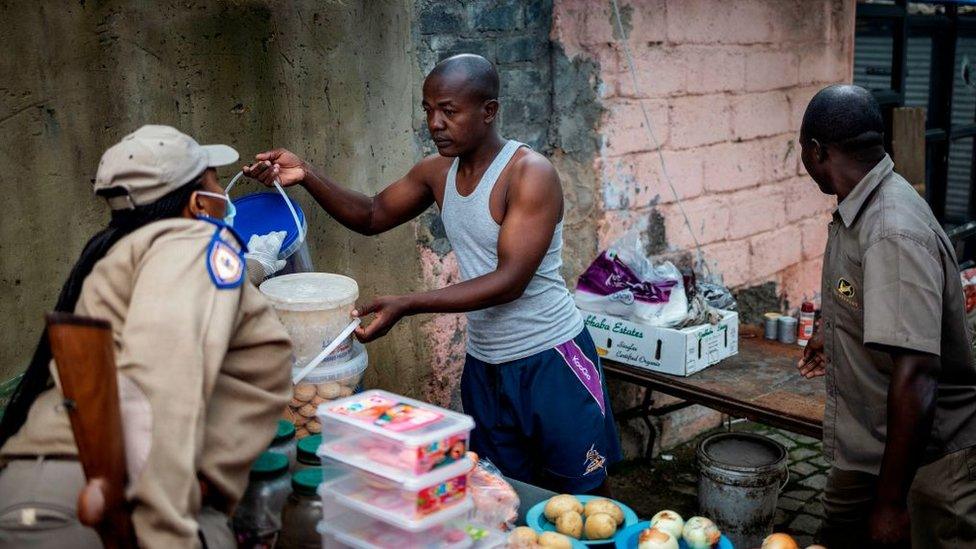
x: 700, y: 533
x: 779, y: 541
x: 652, y: 538
x: 669, y: 521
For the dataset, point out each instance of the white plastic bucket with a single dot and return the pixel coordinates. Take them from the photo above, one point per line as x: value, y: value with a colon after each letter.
x: 315, y: 308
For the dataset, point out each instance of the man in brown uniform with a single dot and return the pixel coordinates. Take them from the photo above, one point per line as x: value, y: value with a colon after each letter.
x: 203, y: 361
x: 900, y: 422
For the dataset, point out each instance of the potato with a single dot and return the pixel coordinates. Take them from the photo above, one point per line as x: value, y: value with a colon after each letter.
x: 600, y: 526
x: 523, y: 536
x: 329, y: 390
x: 301, y: 432
x: 345, y: 391
x: 295, y: 403
x: 570, y: 523
x: 557, y: 505
x: 307, y: 411
x: 605, y: 506
x: 555, y: 541
x: 313, y: 426
x: 304, y: 392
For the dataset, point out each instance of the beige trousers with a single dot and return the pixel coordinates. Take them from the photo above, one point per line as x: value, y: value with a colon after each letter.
x: 38, y: 509
x: 941, y: 504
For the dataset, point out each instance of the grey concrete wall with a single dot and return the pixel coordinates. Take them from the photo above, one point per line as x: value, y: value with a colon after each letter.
x: 333, y: 80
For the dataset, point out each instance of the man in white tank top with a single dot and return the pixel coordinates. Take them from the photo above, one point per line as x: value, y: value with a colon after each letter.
x: 539, y: 397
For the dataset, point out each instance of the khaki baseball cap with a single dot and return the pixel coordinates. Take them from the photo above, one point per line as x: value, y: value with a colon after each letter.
x: 153, y: 161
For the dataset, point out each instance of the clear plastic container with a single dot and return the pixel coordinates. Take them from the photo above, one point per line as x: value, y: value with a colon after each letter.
x: 302, y: 512
x: 314, y: 308
x: 324, y: 384
x: 393, y: 436
x: 351, y: 528
x: 257, y: 519
x: 284, y: 442
x: 412, y: 504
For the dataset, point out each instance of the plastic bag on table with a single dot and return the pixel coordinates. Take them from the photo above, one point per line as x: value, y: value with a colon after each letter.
x: 624, y: 282
x: 495, y: 501
x: 717, y: 296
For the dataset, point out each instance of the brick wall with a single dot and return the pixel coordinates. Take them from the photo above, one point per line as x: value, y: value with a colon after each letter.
x: 725, y: 85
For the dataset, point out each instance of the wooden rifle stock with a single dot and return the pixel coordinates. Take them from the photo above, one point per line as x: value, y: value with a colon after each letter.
x: 84, y: 354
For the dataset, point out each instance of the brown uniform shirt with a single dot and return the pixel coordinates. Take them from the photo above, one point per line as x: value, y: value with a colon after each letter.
x: 890, y: 278
x: 203, y: 372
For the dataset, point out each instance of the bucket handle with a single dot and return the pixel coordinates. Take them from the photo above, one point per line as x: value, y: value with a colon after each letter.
x: 277, y: 184
x: 786, y: 478
x: 346, y: 332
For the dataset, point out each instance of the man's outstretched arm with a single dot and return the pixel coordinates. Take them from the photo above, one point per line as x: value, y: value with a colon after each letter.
x: 398, y: 203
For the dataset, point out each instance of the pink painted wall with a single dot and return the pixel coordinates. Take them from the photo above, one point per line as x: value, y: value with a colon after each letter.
x: 725, y: 84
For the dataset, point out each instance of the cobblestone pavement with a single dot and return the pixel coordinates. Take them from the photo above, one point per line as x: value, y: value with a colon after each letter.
x: 669, y: 481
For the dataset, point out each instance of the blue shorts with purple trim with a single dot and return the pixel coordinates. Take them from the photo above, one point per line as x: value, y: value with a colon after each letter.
x: 544, y: 419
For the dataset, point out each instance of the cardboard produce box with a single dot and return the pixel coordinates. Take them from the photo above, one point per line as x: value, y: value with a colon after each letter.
x: 671, y: 351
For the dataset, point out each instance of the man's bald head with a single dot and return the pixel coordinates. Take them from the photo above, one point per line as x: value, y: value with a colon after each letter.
x: 846, y: 116
x: 477, y: 75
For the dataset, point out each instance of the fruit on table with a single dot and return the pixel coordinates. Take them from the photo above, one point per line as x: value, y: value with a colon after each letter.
x: 653, y: 538
x: 557, y: 505
x: 601, y: 505
x: 554, y: 541
x: 700, y: 533
x: 570, y: 523
x: 600, y: 526
x: 668, y: 521
x: 779, y: 541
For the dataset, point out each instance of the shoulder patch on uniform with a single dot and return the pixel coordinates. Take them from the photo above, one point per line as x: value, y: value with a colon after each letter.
x: 224, y: 263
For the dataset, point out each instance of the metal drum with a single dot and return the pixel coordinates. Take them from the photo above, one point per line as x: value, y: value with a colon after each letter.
x: 739, y: 480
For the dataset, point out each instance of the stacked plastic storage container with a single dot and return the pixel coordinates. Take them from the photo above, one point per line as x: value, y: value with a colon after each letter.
x: 405, y: 467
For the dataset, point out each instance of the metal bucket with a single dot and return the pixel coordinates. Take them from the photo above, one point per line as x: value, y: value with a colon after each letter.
x: 739, y: 480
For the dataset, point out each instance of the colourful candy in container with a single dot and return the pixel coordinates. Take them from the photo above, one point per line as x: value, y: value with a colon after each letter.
x: 353, y: 529
x: 393, y: 436
x: 410, y: 504
x: 322, y: 385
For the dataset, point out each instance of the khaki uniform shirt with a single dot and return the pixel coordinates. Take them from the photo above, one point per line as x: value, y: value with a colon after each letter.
x: 890, y: 278
x: 203, y: 377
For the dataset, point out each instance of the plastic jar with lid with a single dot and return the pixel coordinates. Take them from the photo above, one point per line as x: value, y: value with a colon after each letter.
x: 303, y: 512
x: 257, y: 519
x: 284, y: 442
x: 308, y: 449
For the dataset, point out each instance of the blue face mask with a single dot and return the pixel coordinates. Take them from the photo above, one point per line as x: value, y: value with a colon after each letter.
x: 229, y: 212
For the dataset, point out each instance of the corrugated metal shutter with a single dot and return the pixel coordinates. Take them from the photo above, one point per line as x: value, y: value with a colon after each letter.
x: 961, y: 151
x: 872, y: 61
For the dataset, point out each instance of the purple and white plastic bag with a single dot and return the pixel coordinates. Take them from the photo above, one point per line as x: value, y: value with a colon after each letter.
x: 623, y: 282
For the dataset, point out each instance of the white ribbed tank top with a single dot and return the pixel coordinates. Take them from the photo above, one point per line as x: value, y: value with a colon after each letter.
x: 545, y: 315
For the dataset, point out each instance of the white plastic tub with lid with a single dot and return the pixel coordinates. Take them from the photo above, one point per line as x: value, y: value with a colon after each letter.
x: 325, y: 383
x: 314, y: 308
x: 352, y: 529
x: 412, y: 505
x: 393, y: 436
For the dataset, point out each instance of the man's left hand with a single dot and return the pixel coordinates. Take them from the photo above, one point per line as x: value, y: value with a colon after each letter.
x: 889, y: 526
x: 386, y: 312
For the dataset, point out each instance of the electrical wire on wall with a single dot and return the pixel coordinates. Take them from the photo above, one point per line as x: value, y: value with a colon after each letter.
x: 650, y: 132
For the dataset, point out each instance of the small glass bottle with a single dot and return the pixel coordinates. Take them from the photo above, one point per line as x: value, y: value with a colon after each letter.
x: 807, y: 317
x: 308, y: 449
x: 284, y: 442
x: 303, y: 512
x: 257, y: 519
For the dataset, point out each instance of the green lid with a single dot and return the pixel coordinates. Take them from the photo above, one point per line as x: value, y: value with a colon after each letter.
x: 308, y: 448
x: 269, y: 464
x: 306, y: 481
x: 286, y: 432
